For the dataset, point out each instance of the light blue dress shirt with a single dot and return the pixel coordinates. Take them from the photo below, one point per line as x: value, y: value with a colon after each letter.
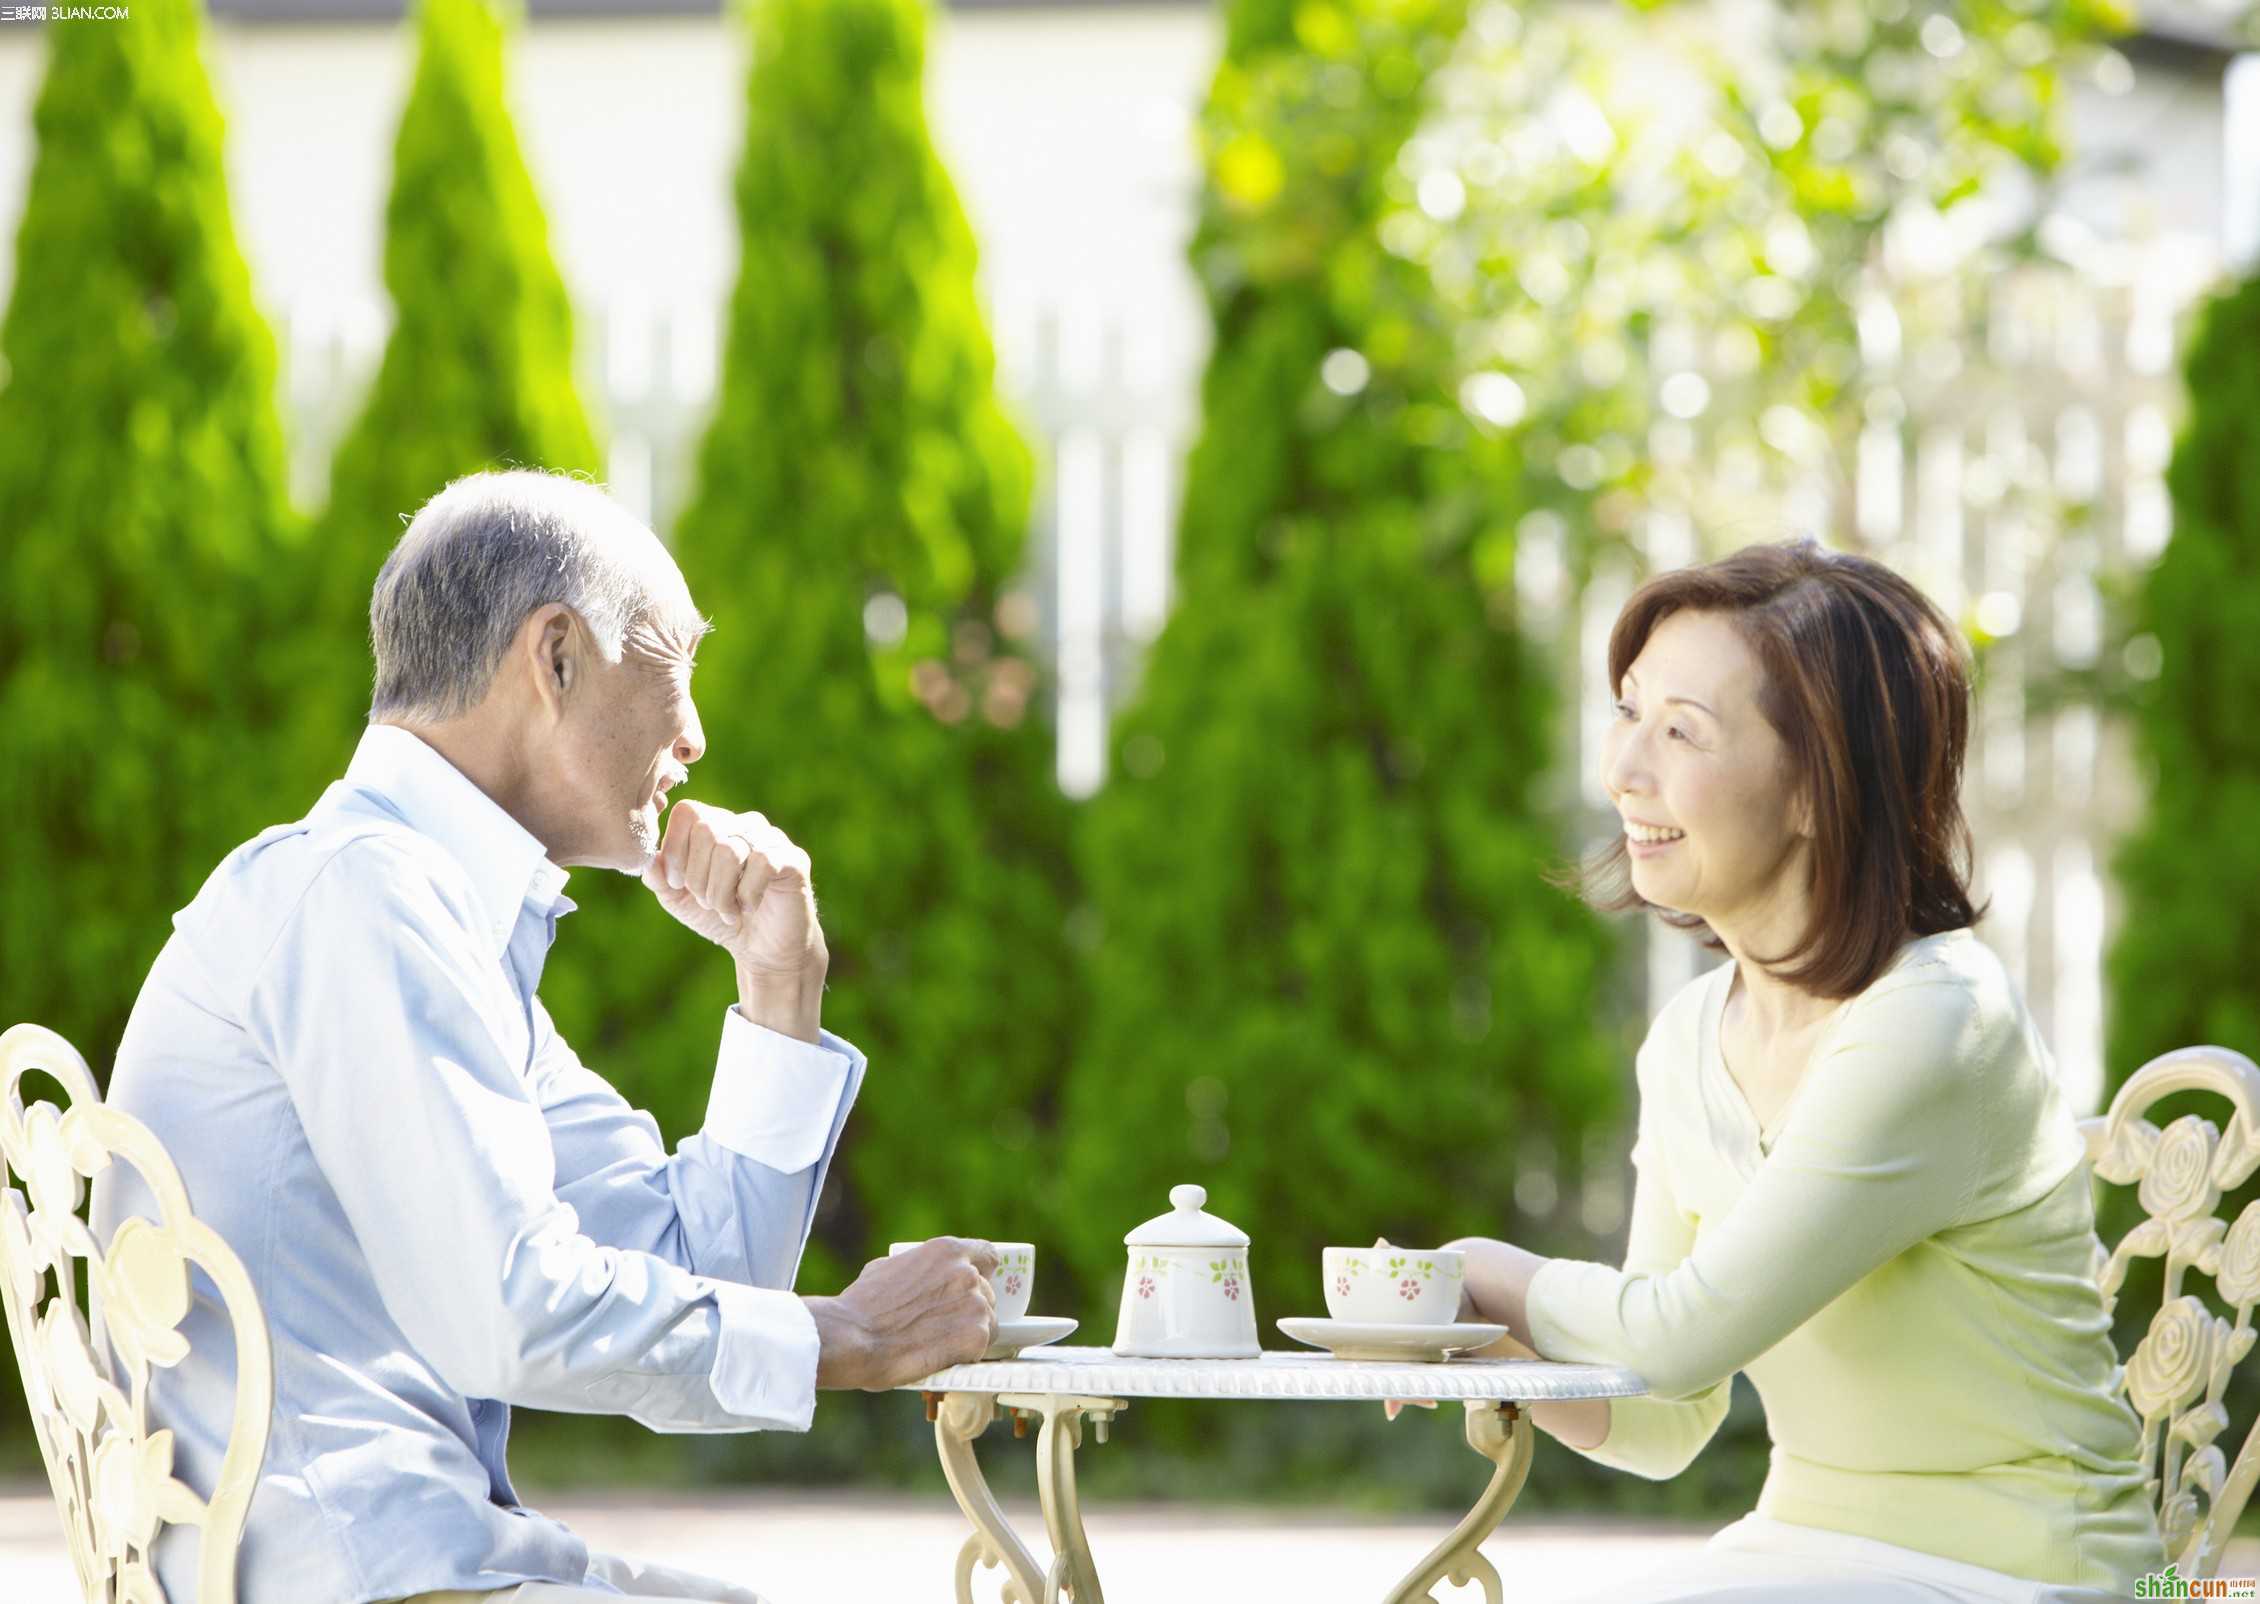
x: 444, y: 1212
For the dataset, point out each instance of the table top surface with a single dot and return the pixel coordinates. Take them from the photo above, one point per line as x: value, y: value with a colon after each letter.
x: 1305, y: 1377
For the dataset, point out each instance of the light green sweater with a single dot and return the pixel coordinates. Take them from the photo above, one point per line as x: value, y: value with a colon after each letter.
x: 1903, y: 1268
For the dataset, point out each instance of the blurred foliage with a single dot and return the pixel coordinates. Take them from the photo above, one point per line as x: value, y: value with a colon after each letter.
x: 1679, y: 248
x: 477, y: 373
x: 857, y: 529
x: 142, y: 494
x: 1327, y: 976
x: 2182, y: 969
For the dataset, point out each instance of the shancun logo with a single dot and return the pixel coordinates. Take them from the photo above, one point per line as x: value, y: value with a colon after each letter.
x: 2169, y: 1584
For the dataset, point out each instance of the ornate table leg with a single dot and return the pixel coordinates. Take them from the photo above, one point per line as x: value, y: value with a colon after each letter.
x: 962, y: 1417
x: 1072, y: 1574
x: 1500, y: 1434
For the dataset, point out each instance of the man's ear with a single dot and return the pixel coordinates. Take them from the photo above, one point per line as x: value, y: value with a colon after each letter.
x: 551, y: 643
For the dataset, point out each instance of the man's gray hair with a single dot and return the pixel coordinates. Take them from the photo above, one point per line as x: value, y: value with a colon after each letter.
x: 482, y: 555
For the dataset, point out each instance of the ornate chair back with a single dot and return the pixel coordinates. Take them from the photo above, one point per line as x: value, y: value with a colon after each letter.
x: 2180, y: 1369
x: 113, y: 1477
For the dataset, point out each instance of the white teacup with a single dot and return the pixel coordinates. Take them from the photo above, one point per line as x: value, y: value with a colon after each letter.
x: 1394, y: 1286
x: 1014, y: 1280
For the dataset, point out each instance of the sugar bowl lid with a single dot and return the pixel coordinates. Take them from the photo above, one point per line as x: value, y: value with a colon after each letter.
x: 1187, y: 1225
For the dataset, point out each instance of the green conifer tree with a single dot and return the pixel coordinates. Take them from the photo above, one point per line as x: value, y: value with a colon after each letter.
x: 477, y: 372
x: 856, y: 530
x: 1330, y: 981
x: 2180, y: 971
x: 141, y: 491
x: 2182, y: 968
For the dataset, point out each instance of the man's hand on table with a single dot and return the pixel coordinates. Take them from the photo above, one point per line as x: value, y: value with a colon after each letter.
x: 739, y: 881
x: 908, y: 1316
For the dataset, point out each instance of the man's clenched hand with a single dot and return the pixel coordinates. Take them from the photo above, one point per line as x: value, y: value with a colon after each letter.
x: 739, y: 881
x: 908, y: 1316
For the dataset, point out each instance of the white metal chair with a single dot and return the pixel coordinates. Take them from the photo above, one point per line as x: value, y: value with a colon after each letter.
x: 113, y: 1477
x: 2180, y: 1369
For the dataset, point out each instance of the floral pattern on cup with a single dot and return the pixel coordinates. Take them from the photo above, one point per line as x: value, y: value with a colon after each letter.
x: 1014, y: 1278
x: 1400, y: 1285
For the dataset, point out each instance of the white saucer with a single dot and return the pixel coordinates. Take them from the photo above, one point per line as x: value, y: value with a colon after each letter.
x: 1029, y: 1331
x: 1358, y: 1339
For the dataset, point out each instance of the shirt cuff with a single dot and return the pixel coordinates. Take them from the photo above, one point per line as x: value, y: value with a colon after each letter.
x: 765, y: 1357
x: 776, y: 1099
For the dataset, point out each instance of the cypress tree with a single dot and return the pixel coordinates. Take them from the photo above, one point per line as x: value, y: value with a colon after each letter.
x: 858, y: 520
x: 1329, y: 980
x: 2181, y: 969
x: 141, y: 488
x: 477, y: 372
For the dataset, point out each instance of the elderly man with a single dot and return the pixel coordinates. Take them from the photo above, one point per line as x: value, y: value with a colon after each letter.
x: 444, y: 1211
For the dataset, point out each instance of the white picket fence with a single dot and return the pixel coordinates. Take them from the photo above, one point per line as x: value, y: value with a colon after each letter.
x: 2011, y: 478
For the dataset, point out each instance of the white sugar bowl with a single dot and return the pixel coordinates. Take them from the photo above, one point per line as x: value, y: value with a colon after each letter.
x: 1187, y: 1293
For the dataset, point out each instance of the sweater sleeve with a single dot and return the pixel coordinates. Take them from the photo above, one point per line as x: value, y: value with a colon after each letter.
x: 1885, y: 1148
x: 1656, y: 1437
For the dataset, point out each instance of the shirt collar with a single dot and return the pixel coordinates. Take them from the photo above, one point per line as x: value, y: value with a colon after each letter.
x: 508, y: 867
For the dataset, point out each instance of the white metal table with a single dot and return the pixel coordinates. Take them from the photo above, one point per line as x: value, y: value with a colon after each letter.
x: 1064, y: 1387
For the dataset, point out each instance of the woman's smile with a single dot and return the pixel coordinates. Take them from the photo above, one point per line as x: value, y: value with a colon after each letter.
x: 1646, y: 840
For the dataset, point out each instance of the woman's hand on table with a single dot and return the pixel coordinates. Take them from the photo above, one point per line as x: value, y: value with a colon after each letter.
x: 1505, y: 1348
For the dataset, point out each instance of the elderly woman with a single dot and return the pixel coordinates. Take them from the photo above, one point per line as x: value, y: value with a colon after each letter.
x: 1856, y: 1177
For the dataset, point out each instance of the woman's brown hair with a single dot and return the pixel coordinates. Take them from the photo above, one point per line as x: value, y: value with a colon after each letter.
x: 1868, y: 686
